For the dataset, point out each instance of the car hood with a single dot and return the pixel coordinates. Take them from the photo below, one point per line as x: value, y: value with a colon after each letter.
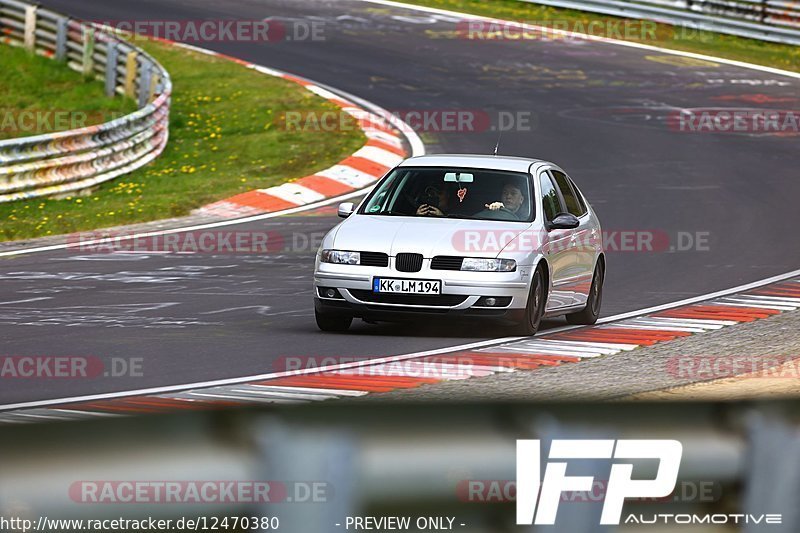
x: 429, y: 236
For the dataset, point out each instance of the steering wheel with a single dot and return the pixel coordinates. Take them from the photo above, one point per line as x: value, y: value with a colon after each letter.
x: 503, y: 213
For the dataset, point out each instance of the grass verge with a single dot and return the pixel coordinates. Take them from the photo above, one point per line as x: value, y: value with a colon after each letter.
x: 689, y: 40
x: 224, y: 139
x: 38, y: 95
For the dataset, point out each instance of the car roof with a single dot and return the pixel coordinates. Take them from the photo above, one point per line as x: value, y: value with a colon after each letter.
x: 489, y: 162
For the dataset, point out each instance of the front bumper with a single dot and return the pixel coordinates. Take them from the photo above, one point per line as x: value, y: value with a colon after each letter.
x: 461, y: 293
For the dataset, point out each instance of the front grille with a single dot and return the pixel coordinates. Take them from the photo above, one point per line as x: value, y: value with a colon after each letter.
x: 446, y: 262
x: 374, y: 259
x: 408, y: 262
x: 441, y: 300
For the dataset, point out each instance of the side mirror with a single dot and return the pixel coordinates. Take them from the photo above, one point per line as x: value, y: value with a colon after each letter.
x: 564, y: 221
x: 346, y: 209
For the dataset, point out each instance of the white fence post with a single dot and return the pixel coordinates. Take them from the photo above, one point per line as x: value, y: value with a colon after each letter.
x: 30, y: 28
x: 88, y: 51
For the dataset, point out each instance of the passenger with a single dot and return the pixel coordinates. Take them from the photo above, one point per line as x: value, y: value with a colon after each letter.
x: 435, y: 202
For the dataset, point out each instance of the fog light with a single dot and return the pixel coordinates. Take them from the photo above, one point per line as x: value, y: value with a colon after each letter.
x: 330, y: 293
x: 493, y: 301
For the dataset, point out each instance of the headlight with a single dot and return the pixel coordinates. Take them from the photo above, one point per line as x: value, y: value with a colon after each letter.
x: 489, y: 265
x: 340, y: 258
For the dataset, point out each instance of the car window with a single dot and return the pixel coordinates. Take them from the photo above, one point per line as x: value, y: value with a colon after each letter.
x: 573, y: 205
x: 550, y: 200
x: 579, y: 195
x: 467, y: 193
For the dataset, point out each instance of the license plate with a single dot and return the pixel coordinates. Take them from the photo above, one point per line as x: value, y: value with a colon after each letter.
x: 406, y: 286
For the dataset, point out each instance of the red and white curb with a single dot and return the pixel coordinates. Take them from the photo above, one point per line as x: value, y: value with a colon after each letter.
x: 630, y: 333
x: 383, y: 150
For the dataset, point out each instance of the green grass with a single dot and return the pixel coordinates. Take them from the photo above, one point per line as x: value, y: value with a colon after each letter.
x: 727, y: 46
x: 223, y: 140
x: 38, y: 95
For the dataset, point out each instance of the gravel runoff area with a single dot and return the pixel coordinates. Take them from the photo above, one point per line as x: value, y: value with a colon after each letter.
x: 695, y: 367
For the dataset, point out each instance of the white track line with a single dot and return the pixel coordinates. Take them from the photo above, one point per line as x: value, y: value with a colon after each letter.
x: 294, y: 193
x: 652, y: 327
x: 312, y: 390
x: 471, y: 346
x: 661, y: 324
x: 543, y: 346
x: 703, y: 322
x: 783, y: 300
x: 764, y: 305
x: 675, y: 326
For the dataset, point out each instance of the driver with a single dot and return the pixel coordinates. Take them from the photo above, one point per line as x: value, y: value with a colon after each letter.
x: 511, y: 198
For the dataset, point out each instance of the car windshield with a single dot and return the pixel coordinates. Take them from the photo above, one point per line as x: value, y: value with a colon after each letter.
x: 475, y: 194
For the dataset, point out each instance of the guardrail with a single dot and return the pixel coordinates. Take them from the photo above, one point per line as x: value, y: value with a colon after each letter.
x: 765, y: 20
x: 405, y: 460
x: 63, y: 162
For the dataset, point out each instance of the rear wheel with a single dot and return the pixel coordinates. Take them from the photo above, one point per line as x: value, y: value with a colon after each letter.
x: 535, y: 308
x: 328, y: 322
x: 589, y: 315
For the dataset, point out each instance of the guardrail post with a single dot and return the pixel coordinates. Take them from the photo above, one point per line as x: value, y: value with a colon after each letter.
x: 774, y: 469
x: 131, y: 71
x: 329, y: 458
x: 29, y: 39
x: 61, y: 38
x: 88, y: 51
x: 155, y: 83
x: 763, y: 15
x: 144, y: 83
x: 111, y: 68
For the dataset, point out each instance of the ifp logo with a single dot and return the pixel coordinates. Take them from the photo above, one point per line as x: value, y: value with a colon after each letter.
x: 620, y: 484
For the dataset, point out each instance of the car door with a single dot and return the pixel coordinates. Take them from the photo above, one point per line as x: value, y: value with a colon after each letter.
x: 556, y: 246
x: 582, y: 249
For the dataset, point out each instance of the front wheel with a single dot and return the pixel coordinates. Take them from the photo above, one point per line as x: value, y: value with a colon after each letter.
x: 589, y: 315
x: 535, y: 307
x: 327, y: 322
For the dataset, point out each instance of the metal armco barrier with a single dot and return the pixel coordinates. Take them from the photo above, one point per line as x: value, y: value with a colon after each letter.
x: 767, y: 20
x: 64, y: 162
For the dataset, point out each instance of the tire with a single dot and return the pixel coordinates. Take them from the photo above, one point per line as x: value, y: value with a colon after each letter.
x: 327, y: 322
x: 534, y: 310
x: 589, y: 314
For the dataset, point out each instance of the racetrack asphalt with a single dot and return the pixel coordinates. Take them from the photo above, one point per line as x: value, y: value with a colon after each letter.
x: 597, y: 110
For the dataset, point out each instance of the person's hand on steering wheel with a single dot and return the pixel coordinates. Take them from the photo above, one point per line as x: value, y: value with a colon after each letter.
x: 494, y: 206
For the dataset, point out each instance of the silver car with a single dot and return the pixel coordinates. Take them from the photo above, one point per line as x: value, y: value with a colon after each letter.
x: 497, y: 237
